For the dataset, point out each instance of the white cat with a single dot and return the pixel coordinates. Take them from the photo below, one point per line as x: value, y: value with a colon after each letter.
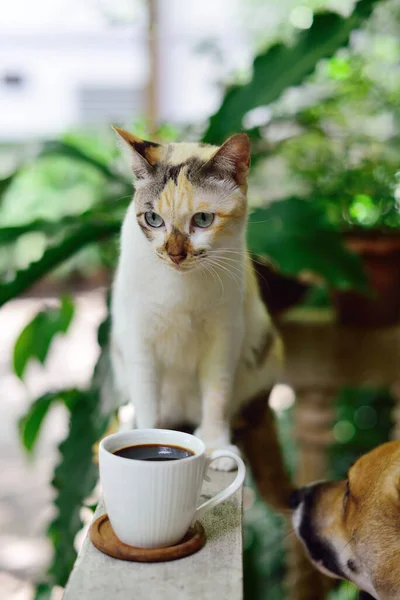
x: 191, y: 339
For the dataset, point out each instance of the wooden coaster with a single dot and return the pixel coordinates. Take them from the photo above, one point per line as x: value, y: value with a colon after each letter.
x: 103, y: 537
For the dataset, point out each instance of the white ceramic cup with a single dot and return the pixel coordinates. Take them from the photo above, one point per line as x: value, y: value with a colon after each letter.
x: 151, y: 504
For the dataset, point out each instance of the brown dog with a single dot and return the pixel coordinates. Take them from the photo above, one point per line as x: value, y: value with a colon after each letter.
x: 351, y: 529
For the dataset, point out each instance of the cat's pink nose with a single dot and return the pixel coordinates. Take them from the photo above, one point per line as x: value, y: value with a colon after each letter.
x: 177, y: 258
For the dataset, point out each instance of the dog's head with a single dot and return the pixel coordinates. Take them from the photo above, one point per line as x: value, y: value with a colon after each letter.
x: 351, y: 528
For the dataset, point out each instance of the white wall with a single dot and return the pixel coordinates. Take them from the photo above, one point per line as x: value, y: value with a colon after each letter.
x: 58, y: 46
x: 189, y: 89
x: 54, y: 68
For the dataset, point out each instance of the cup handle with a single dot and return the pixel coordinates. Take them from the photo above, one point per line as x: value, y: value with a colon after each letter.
x: 228, y: 491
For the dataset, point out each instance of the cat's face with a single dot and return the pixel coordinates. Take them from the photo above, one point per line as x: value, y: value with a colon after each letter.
x: 190, y: 199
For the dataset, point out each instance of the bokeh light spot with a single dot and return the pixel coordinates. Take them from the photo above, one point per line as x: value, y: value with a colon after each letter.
x: 343, y: 431
x: 301, y: 17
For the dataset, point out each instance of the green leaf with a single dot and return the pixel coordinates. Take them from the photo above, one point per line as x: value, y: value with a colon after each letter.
x: 30, y: 424
x: 282, y: 67
x: 111, y: 210
x: 6, y: 182
x: 35, y: 339
x: 76, y: 475
x: 74, y: 480
x: 11, y: 233
x: 57, y: 148
x: 43, y: 592
x: 297, y: 236
x: 55, y: 255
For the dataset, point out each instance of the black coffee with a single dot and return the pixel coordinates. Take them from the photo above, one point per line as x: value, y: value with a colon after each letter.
x: 154, y: 452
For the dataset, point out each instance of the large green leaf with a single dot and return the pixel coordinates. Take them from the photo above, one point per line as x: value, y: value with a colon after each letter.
x: 297, y: 236
x: 282, y: 67
x: 31, y: 422
x: 35, y: 339
x: 55, y: 255
x: 57, y: 148
x: 111, y: 210
x: 6, y: 182
x: 10, y: 234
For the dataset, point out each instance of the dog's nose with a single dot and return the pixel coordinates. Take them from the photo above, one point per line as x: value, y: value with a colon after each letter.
x: 296, y: 498
x: 177, y: 258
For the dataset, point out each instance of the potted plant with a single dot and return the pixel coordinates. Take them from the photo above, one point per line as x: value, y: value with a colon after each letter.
x: 372, y: 231
x: 345, y: 160
x: 357, y: 186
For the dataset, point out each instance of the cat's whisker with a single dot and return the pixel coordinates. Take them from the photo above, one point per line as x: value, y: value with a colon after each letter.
x: 222, y: 251
x: 221, y: 282
x: 233, y: 263
x: 207, y: 270
x: 229, y: 272
x: 267, y: 261
x: 228, y: 258
x: 252, y: 258
x: 263, y: 221
x: 210, y: 269
x: 236, y: 274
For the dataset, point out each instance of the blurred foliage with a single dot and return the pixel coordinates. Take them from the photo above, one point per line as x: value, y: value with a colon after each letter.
x: 296, y: 228
x: 281, y: 67
x: 336, y: 140
x: 74, y: 478
x: 76, y: 474
x: 36, y: 337
x: 351, y: 170
x: 62, y: 209
x: 363, y: 421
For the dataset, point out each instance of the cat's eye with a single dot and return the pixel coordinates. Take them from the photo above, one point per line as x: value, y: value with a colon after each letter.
x: 203, y: 219
x: 153, y: 219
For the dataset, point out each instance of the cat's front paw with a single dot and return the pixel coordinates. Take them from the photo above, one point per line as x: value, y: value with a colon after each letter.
x: 226, y: 463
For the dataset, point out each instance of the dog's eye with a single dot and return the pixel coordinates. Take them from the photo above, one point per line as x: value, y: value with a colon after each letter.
x: 351, y: 565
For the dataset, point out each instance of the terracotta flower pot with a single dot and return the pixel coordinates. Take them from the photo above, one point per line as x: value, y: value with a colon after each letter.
x: 380, y: 254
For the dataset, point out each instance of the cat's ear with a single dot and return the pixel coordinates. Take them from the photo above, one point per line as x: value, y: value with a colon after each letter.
x: 143, y: 155
x: 232, y: 159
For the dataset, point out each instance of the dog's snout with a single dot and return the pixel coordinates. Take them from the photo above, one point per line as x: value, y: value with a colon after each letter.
x: 296, y: 498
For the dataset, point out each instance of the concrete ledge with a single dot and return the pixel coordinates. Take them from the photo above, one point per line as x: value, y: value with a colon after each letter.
x: 214, y: 573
